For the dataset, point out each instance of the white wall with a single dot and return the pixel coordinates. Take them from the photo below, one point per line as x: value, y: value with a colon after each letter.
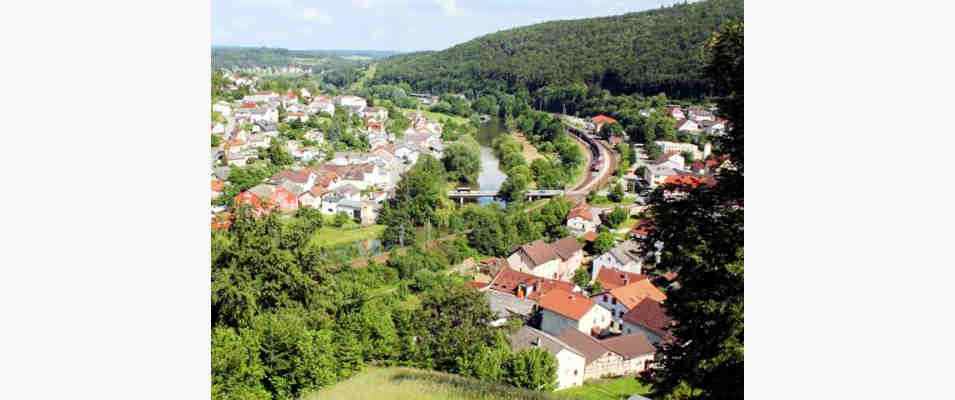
x: 570, y: 369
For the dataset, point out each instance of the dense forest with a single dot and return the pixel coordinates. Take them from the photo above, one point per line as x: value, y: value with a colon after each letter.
x: 646, y: 52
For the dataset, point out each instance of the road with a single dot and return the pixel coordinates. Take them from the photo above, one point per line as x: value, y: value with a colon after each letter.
x: 593, y: 180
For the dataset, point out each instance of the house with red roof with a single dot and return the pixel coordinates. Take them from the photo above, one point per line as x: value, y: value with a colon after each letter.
x: 556, y: 260
x: 265, y: 198
x: 649, y: 318
x: 620, y: 300
x: 582, y: 219
x: 601, y: 120
x: 525, y: 286
x: 561, y: 310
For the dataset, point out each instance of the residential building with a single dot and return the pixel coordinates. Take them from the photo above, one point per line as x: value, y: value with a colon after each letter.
x: 616, y: 356
x: 601, y: 120
x: 561, y: 309
x: 570, y: 362
x: 525, y: 286
x: 624, y: 256
x: 649, y: 318
x: 556, y: 260
x: 265, y: 198
x: 620, y: 300
x: 582, y: 219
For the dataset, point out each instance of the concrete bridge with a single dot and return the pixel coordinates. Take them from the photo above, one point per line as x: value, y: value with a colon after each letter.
x: 476, y: 194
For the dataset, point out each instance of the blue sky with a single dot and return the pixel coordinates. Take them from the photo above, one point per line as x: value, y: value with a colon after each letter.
x: 402, y: 25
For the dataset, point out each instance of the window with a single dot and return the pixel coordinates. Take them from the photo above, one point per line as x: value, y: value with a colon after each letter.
x: 575, y: 372
x: 613, y: 301
x: 605, y: 298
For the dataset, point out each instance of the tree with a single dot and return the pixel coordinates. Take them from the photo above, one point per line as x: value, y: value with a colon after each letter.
x: 216, y: 141
x: 462, y: 160
x: 515, y: 186
x: 616, y: 193
x: 706, y: 356
x: 237, y: 371
x: 687, y: 156
x: 451, y: 319
x: 604, y: 242
x: 534, y: 369
x: 581, y: 277
x: 341, y: 219
x: 615, y: 217
x: 278, y: 155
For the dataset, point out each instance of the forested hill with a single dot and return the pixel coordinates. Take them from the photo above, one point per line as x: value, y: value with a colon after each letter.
x: 647, y: 52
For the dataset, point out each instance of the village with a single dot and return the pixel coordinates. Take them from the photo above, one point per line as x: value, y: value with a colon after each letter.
x: 353, y: 183
x: 605, y: 326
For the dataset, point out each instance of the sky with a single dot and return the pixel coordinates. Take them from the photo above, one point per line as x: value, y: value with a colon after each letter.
x: 398, y: 25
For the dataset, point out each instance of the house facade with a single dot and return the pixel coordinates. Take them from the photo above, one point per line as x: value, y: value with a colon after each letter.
x: 562, y: 310
x: 582, y: 219
x: 556, y: 260
x: 570, y: 362
x: 622, y: 257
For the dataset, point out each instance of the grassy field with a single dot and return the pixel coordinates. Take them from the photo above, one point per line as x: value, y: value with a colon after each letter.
x: 607, y: 389
x: 412, y: 384
x: 331, y: 236
x: 408, y: 383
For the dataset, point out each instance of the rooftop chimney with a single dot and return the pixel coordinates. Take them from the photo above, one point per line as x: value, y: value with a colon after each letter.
x: 537, y: 341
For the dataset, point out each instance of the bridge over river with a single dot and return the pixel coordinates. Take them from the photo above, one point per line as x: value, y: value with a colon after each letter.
x: 477, y: 194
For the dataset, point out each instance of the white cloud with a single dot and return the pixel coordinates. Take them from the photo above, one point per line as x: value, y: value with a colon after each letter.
x: 449, y: 7
x: 313, y: 14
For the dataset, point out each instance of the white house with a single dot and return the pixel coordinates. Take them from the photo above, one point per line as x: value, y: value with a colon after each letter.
x: 623, y: 257
x: 570, y: 362
x: 611, y: 357
x: 582, y: 219
x: 621, y: 300
x: 556, y: 260
x: 561, y: 309
x: 222, y: 108
x: 687, y: 125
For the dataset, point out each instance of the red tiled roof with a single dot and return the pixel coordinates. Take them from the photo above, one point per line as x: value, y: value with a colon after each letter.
x: 590, y: 236
x: 691, y: 181
x: 509, y: 281
x: 610, y: 278
x: 539, y: 252
x: 300, y: 176
x: 643, y: 228
x: 217, y: 185
x: 581, y: 210
x: 629, y: 346
x: 221, y: 221
x: 650, y: 314
x: 632, y: 294
x: 603, y: 119
x: 566, y: 247
x: 566, y: 303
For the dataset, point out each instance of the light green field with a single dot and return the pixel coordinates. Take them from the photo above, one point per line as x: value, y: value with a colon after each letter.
x: 395, y: 383
x: 414, y: 384
x: 331, y: 236
x: 607, y: 389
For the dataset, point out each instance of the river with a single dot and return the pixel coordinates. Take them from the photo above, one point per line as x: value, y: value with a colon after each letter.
x: 491, y: 176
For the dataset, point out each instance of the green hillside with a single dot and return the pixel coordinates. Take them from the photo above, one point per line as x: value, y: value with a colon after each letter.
x: 647, y: 52
x: 413, y: 384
